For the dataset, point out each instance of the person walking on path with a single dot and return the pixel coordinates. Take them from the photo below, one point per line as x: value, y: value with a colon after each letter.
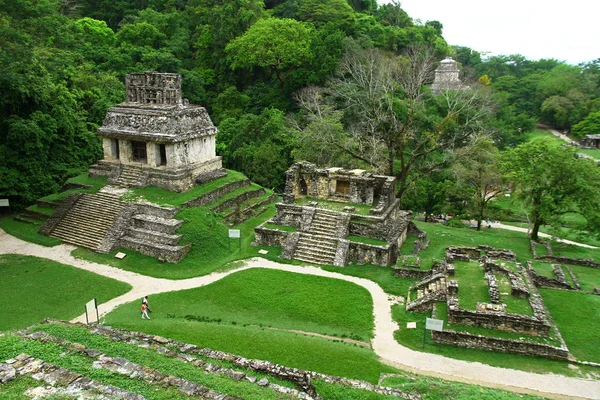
x: 145, y: 311
x: 145, y: 301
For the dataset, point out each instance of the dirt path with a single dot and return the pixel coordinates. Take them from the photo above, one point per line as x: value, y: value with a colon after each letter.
x: 383, y: 343
x: 561, y: 136
x: 544, y: 235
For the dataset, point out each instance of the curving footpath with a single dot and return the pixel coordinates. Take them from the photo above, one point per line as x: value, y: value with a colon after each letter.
x: 383, y: 343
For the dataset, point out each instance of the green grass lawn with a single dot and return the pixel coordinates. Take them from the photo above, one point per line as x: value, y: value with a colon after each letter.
x: 543, y: 268
x: 589, y: 278
x: 286, y: 348
x: 577, y: 316
x: 591, y: 152
x: 264, y: 297
x: 83, y: 179
x: 472, y: 286
x: 33, y: 288
x: 27, y: 232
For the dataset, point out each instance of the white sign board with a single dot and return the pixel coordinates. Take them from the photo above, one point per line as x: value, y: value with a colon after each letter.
x: 234, y: 233
x: 4, y: 203
x: 91, y: 310
x: 434, y: 324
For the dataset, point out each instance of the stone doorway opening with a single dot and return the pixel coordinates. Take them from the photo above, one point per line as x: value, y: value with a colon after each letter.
x: 303, y: 187
x: 139, y: 152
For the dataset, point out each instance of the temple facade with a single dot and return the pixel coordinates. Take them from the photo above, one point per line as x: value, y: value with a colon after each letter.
x: 156, y: 138
x: 447, y: 76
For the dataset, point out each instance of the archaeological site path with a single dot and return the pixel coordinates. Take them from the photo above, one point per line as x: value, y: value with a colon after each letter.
x: 383, y: 343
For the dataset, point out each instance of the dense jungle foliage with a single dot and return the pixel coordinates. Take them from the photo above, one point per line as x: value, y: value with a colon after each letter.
x: 282, y: 79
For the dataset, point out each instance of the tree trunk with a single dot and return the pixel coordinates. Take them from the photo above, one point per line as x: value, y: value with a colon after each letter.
x: 536, y: 229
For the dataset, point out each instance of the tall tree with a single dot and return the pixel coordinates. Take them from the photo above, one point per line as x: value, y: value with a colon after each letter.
x: 477, y: 173
x: 277, y: 44
x: 552, y: 182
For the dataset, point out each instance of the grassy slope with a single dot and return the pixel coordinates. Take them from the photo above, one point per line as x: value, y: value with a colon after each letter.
x: 266, y: 297
x: 27, y: 232
x: 577, y: 316
x: 33, y: 288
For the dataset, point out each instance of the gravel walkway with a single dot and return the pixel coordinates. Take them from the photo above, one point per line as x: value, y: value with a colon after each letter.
x: 384, y: 344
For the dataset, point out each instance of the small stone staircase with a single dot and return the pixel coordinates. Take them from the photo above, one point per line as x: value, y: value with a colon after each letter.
x: 130, y: 175
x: 88, y: 221
x: 428, y: 291
x: 316, y: 249
x: 324, y: 224
x: 319, y: 243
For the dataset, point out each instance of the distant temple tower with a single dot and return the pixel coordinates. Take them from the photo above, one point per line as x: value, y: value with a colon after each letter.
x: 446, y: 76
x: 156, y: 138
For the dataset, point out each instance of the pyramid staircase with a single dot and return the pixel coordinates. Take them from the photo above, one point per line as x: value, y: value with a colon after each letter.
x: 318, y: 245
x: 89, y: 220
x: 130, y: 175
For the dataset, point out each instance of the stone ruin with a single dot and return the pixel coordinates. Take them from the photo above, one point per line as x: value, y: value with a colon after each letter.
x: 437, y: 286
x: 321, y: 235
x: 154, y: 138
x: 447, y: 77
x: 157, y: 139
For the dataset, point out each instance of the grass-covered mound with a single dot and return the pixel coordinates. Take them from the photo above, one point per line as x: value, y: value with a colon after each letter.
x: 264, y: 297
x: 33, y: 288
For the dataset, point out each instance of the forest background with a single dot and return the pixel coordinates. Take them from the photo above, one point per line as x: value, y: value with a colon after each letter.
x: 337, y: 82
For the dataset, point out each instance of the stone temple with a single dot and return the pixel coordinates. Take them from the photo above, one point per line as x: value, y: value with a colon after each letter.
x: 447, y: 76
x: 156, y: 138
x: 337, y: 216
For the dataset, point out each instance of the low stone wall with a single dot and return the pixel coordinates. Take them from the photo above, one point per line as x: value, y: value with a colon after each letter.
x: 239, y: 199
x: 270, y: 237
x: 212, y: 196
x: 471, y: 341
x: 156, y: 211
x: 171, y: 254
x: 72, y: 185
x: 497, y: 320
x: 208, y: 176
x: 250, y: 211
x: 289, y: 214
x: 362, y: 253
x: 60, y: 211
x: 412, y: 273
x: 586, y: 262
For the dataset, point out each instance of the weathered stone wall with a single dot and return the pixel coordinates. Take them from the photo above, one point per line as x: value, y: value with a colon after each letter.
x: 586, y: 262
x: 289, y: 214
x: 412, y: 273
x: 497, y: 320
x: 172, y: 254
x: 342, y: 253
x: 471, y: 341
x: 239, y: 199
x: 362, y: 253
x: 59, y: 213
x: 270, y: 237
x: 289, y: 246
x: 213, y: 195
x: 250, y: 211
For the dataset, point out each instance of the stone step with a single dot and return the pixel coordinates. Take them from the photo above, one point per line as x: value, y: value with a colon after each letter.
x: 314, y: 260
x: 324, y: 232
x: 319, y: 245
x: 153, y: 249
x: 159, y: 237
x: 312, y: 238
x: 324, y: 250
x: 157, y: 224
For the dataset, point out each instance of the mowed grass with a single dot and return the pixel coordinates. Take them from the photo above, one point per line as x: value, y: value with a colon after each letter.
x: 27, y: 232
x: 589, y: 278
x: 577, y: 316
x: 270, y: 298
x: 33, y: 288
x: 281, y: 347
x: 472, y: 285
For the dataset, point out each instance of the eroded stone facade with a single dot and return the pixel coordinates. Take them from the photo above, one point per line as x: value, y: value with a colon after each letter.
x: 156, y: 138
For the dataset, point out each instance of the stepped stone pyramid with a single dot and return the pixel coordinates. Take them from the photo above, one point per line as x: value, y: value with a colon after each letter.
x: 154, y: 138
x: 338, y: 201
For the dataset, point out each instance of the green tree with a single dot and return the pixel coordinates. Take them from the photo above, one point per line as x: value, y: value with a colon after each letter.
x: 477, y: 173
x: 277, y: 44
x: 552, y: 181
x: 590, y: 125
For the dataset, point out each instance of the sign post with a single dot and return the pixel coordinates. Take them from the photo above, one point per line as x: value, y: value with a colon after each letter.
x: 235, y: 234
x: 90, y: 306
x: 5, y: 203
x: 433, y: 325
